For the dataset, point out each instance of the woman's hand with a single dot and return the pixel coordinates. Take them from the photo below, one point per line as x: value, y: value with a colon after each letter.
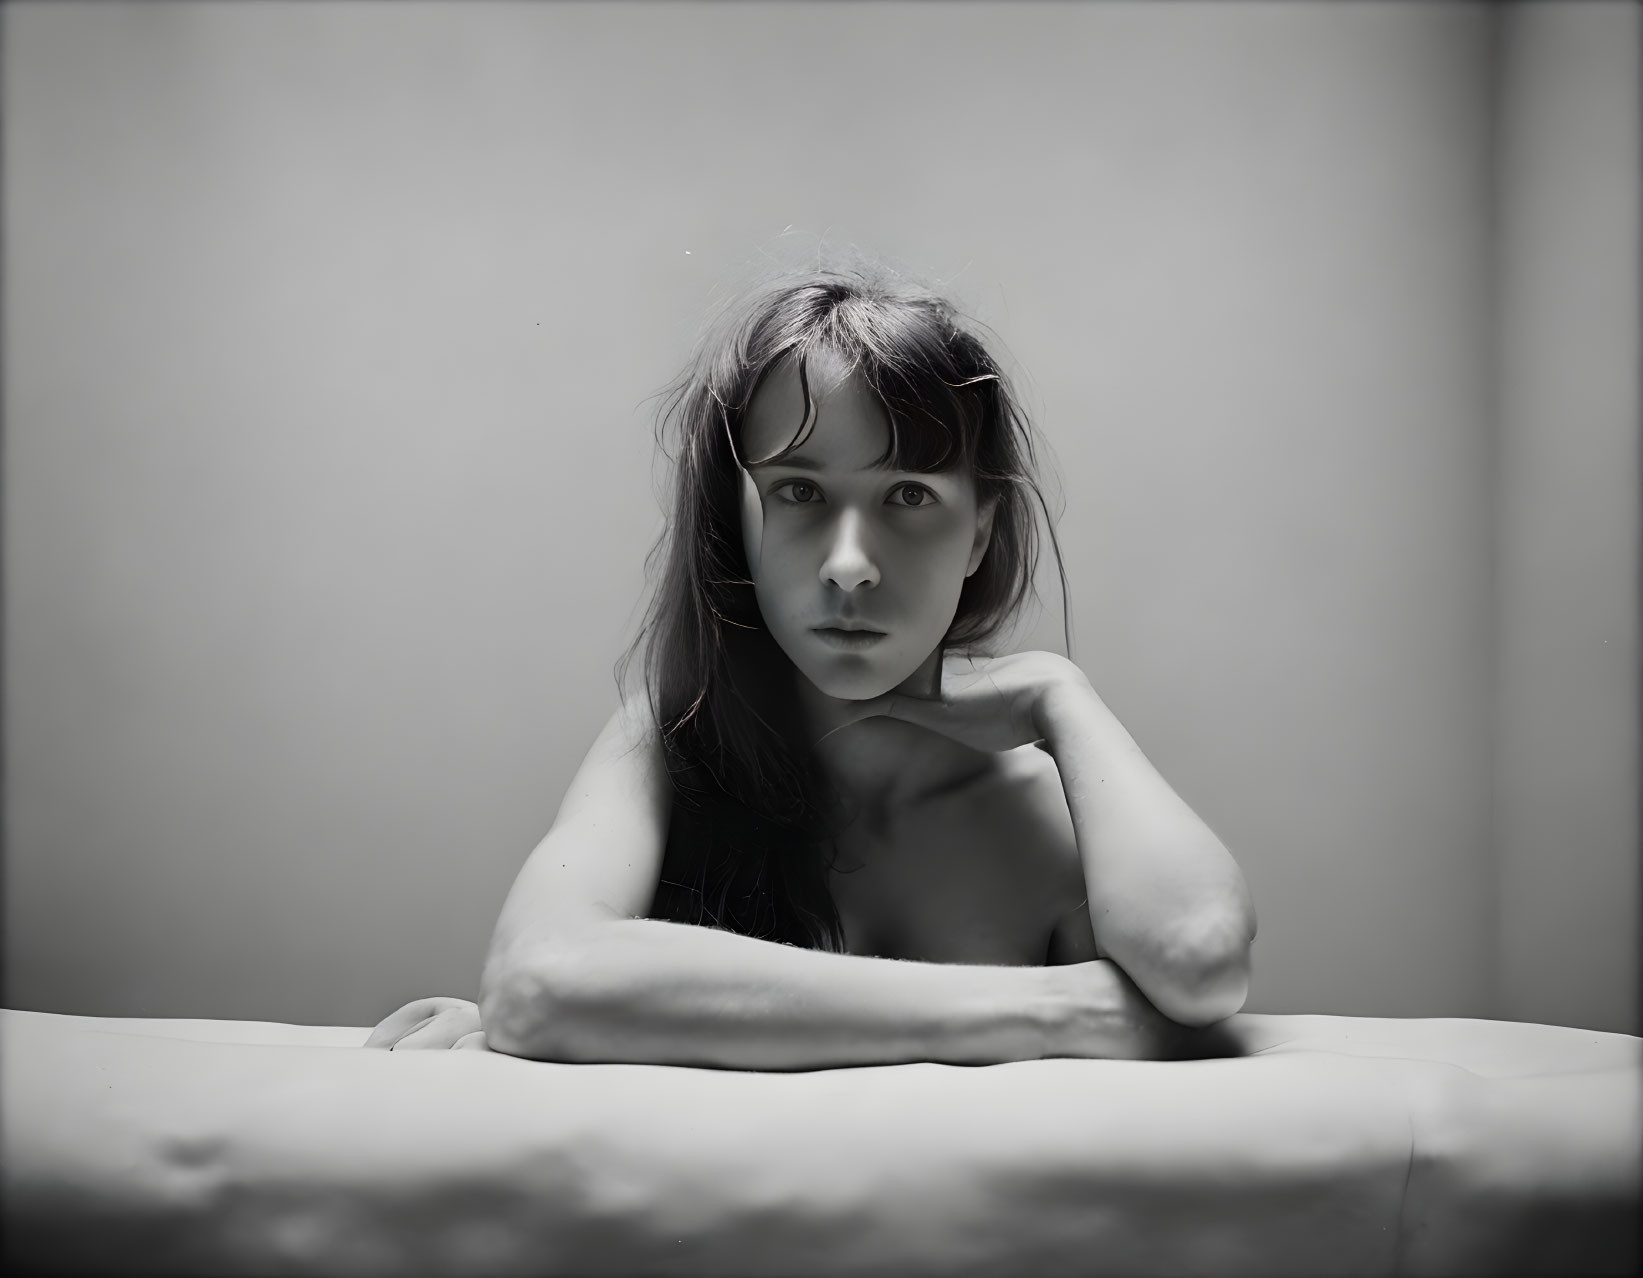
x: 432, y: 1023
x: 988, y: 703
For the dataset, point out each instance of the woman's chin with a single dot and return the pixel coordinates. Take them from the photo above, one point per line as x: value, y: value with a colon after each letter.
x: 852, y: 691
x: 855, y: 685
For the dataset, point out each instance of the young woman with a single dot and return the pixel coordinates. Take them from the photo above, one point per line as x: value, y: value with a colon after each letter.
x: 831, y: 830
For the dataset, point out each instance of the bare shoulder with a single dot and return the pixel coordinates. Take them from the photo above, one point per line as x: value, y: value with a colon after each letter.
x: 634, y: 722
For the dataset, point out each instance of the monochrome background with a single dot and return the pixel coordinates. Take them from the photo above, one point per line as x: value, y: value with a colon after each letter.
x: 331, y: 332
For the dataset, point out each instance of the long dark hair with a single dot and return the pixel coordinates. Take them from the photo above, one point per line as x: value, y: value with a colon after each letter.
x: 749, y: 846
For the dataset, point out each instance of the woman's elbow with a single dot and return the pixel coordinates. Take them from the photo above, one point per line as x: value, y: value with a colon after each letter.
x: 1213, y: 996
x: 1208, y: 983
x: 1220, y: 961
x: 511, y: 1013
x: 522, y: 1006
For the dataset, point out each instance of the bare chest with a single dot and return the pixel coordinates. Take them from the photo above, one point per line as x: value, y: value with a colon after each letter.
x: 980, y: 876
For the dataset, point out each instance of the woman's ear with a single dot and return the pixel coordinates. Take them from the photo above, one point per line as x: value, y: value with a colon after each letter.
x: 984, y: 534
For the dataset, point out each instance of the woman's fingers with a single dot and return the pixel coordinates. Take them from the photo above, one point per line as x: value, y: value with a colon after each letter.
x: 856, y: 711
x: 410, y: 1017
x: 934, y: 715
x: 987, y: 703
x: 397, y: 1023
x: 472, y: 1042
x: 386, y: 1035
x: 974, y: 711
x: 439, y: 1032
x: 442, y: 1031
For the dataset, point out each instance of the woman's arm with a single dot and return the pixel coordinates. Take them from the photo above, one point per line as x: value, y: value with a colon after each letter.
x: 641, y: 990
x: 576, y: 974
x: 1170, y: 904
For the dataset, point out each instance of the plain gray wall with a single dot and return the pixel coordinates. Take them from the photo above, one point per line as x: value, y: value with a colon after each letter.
x: 328, y: 335
x: 1571, y: 169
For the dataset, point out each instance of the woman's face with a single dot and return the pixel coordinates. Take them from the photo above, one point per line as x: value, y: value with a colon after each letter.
x: 857, y: 569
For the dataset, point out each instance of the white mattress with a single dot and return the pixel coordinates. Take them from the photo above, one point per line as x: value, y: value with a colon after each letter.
x: 1328, y: 1145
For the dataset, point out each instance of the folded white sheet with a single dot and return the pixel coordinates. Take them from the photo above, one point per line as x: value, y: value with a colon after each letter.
x: 1329, y: 1145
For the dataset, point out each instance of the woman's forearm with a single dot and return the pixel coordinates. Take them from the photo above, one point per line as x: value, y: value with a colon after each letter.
x: 644, y: 991
x: 1168, y: 901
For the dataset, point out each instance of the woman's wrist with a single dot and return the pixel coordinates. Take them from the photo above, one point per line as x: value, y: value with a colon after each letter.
x: 1099, y: 1013
x: 1063, y: 702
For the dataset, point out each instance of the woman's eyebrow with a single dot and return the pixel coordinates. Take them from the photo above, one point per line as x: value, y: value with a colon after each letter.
x: 799, y: 462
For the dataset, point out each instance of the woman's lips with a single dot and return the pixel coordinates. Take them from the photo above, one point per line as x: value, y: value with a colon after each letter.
x: 848, y: 640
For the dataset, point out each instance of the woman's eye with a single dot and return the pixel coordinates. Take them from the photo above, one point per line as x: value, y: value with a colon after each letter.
x: 914, y: 495
x: 800, y: 491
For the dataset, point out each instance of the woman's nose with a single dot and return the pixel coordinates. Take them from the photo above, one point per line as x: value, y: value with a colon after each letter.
x: 848, y: 564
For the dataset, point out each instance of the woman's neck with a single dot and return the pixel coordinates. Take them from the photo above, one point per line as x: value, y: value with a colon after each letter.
x: 884, y: 766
